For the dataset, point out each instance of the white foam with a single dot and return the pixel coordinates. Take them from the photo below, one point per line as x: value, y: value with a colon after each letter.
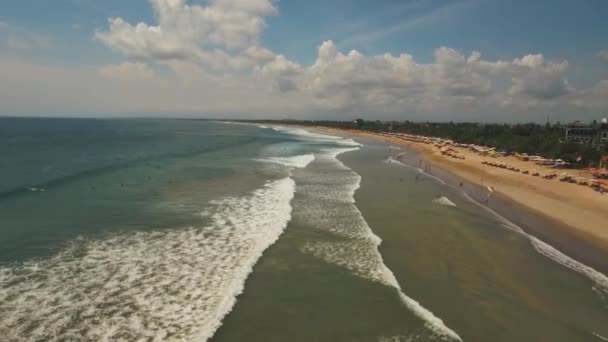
x: 540, y: 246
x: 170, y: 285
x: 549, y: 251
x: 599, y: 336
x: 335, y: 152
x: 319, y: 137
x: 357, y: 250
x: 444, y: 201
x: 299, y: 162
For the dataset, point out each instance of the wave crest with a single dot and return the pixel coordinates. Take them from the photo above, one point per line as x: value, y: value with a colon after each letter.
x: 168, y: 285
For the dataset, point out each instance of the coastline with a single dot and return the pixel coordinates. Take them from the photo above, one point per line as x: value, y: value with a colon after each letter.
x: 537, y: 211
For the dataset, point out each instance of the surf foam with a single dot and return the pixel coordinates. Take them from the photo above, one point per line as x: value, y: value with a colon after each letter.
x: 171, y: 285
x: 332, y: 209
x: 300, y: 161
x: 599, y: 336
x: 318, y: 137
x: 444, y: 201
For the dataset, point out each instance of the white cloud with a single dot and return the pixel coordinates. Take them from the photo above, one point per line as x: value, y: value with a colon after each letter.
x: 216, y: 56
x: 284, y: 74
x: 389, y: 85
x: 222, y: 35
x: 537, y: 78
x: 603, y: 55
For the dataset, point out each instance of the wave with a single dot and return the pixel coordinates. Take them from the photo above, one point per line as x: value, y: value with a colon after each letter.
x: 300, y: 161
x: 318, y: 137
x: 170, y: 285
x: 444, y: 201
x: 540, y: 246
x: 331, y: 208
x: 599, y: 336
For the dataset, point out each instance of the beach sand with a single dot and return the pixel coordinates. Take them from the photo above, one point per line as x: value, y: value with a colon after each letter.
x: 579, y: 211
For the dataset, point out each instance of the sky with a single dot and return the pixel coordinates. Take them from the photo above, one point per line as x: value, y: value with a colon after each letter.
x: 421, y: 60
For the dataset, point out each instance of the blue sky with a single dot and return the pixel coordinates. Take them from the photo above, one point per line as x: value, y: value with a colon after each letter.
x: 62, y: 34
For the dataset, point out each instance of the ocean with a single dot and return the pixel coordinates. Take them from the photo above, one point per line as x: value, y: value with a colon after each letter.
x: 191, y: 230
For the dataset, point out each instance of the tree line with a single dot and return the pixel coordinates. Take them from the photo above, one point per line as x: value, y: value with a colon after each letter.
x: 535, y: 139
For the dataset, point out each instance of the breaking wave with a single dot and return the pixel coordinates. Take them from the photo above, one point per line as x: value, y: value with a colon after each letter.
x: 331, y: 208
x: 318, y: 137
x: 171, y: 285
x: 444, y: 201
x: 300, y: 161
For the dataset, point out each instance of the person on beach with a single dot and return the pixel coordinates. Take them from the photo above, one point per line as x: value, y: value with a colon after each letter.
x: 490, y: 192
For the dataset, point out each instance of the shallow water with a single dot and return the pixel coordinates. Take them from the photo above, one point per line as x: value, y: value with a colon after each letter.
x: 487, y: 281
x: 175, y: 230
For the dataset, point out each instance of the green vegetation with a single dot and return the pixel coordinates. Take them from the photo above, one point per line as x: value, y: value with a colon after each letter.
x: 531, y: 138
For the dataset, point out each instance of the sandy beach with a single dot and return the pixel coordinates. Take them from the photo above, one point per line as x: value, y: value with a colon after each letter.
x: 582, y: 211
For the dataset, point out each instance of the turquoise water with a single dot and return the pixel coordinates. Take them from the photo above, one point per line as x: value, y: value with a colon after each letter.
x: 175, y: 230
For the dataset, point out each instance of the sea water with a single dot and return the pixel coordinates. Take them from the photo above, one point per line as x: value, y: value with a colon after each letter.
x: 185, y: 230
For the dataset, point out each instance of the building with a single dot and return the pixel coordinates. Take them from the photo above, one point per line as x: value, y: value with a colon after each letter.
x: 595, y: 134
x: 583, y: 135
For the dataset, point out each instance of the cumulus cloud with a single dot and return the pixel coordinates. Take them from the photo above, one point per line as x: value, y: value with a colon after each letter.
x: 532, y: 76
x: 216, y: 56
x: 535, y: 77
x: 388, y: 83
x: 284, y: 74
x: 222, y: 35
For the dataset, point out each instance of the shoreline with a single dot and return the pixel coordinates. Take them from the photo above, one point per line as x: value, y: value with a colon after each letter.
x: 554, y: 233
x: 575, y: 242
